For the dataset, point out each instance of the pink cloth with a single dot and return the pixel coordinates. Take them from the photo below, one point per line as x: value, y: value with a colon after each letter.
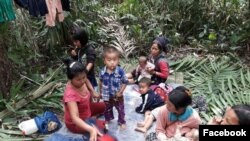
x: 54, y: 9
x: 163, y: 125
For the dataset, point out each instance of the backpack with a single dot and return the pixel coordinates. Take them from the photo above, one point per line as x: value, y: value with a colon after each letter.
x: 162, y: 90
x: 47, y: 123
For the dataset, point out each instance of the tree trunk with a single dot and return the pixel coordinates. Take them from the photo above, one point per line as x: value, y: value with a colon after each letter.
x: 5, y: 70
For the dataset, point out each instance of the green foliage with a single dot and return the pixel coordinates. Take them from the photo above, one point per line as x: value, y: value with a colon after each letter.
x: 131, y: 26
x: 217, y: 24
x: 51, y: 100
x: 223, y: 80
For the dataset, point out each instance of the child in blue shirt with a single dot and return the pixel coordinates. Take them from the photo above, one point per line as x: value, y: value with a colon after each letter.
x: 112, y: 84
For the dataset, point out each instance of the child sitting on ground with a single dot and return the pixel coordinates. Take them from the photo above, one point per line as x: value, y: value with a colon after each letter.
x: 140, y: 71
x: 150, y: 100
x: 176, y: 115
x: 151, y: 104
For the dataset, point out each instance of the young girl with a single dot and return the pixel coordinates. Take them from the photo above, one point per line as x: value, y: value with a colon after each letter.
x: 77, y: 106
x: 177, y: 114
x: 112, y: 84
x: 80, y: 40
x: 235, y: 115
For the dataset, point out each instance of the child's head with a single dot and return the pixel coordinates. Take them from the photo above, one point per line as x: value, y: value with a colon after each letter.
x: 111, y: 57
x: 75, y: 72
x: 144, y: 85
x: 142, y: 61
x: 179, y: 99
x: 80, y: 38
x: 237, y: 115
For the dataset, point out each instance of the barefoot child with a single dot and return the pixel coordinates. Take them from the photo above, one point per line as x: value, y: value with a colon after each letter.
x: 176, y: 115
x: 112, y: 84
x: 150, y: 100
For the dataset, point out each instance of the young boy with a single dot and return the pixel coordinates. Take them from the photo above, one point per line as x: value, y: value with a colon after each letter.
x: 150, y: 100
x: 112, y: 84
x: 151, y: 103
x: 140, y: 70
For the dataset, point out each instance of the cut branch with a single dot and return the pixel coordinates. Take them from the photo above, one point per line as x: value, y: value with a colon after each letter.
x: 39, y: 92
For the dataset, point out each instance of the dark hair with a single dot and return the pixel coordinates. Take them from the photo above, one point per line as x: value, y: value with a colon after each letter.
x: 163, y: 48
x: 181, y: 97
x: 145, y: 80
x: 110, y: 50
x: 73, y: 68
x: 82, y: 36
x: 243, y: 113
x: 162, y: 43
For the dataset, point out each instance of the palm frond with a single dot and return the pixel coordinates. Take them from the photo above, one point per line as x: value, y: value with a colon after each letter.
x: 223, y: 81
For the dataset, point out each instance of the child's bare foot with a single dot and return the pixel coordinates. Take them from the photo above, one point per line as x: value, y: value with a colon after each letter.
x: 123, y: 126
x: 139, y: 129
x: 140, y: 124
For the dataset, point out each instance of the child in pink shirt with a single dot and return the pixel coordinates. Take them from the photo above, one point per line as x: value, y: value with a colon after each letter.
x: 177, y: 115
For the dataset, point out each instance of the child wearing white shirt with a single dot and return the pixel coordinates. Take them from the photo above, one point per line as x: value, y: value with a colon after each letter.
x: 141, y: 70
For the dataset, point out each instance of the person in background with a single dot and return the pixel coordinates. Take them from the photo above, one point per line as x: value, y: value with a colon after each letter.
x: 82, y: 48
x: 113, y: 81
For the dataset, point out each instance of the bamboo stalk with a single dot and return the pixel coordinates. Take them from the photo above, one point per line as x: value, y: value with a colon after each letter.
x: 33, y: 81
x: 39, y: 92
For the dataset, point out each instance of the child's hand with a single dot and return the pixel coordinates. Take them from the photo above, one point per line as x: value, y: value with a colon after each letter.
x: 150, y: 70
x: 96, y: 95
x: 215, y: 121
x: 118, y: 94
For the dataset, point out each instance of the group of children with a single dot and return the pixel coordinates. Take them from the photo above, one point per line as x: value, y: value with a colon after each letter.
x: 80, y: 89
x: 171, y: 115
